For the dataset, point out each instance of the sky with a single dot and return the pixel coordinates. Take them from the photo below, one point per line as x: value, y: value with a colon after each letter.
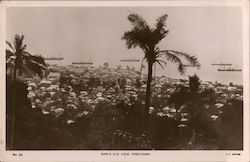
x: 213, y: 34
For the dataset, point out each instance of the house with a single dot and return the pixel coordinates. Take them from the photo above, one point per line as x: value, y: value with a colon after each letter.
x: 54, y: 76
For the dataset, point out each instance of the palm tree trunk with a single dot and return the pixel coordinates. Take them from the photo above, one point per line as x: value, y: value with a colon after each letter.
x: 148, y: 93
x: 13, y: 110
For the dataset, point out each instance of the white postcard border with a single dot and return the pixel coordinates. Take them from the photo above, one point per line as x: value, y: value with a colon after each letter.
x: 154, y: 155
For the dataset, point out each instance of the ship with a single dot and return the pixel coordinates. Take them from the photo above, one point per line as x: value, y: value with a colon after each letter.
x: 221, y: 64
x: 53, y: 58
x: 82, y: 63
x: 229, y: 69
x: 129, y: 60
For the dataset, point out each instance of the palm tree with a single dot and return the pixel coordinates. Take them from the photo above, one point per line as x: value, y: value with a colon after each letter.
x: 19, y: 60
x: 147, y: 38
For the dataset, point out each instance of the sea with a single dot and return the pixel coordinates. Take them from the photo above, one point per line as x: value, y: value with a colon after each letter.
x: 205, y: 72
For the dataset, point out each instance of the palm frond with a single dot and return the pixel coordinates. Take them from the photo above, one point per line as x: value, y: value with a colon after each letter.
x: 161, y: 21
x: 130, y: 39
x: 18, y: 42
x: 23, y: 60
x: 158, y: 35
x: 34, y: 63
x: 159, y: 62
x: 173, y: 58
x: 34, y: 67
x: 159, y: 54
x: 10, y: 59
x: 10, y: 46
x: 137, y: 38
x: 141, y: 34
x: 191, y: 59
x: 37, y: 59
x: 8, y: 54
x: 137, y: 21
x: 160, y: 32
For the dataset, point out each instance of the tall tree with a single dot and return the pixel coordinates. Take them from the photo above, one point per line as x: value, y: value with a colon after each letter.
x: 148, y: 38
x: 19, y: 60
x: 195, y: 106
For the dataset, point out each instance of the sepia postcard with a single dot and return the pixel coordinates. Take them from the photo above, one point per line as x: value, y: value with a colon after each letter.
x: 124, y: 80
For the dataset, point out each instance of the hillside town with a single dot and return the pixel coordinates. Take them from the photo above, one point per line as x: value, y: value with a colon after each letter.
x: 90, y: 86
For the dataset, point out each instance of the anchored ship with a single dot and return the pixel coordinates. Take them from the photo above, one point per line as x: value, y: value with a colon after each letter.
x: 221, y: 64
x: 129, y: 60
x: 229, y: 69
x: 53, y: 58
x: 82, y: 63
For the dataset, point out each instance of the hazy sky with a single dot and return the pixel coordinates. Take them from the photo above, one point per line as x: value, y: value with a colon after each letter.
x: 213, y: 34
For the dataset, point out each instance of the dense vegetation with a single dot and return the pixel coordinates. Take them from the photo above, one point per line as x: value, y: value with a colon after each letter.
x: 120, y: 126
